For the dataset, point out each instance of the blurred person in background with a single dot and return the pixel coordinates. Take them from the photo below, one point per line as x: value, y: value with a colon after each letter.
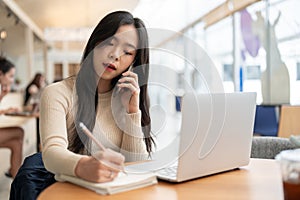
x: 33, y: 90
x: 10, y: 137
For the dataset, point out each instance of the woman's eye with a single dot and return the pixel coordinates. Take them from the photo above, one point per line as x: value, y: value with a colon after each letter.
x: 127, y: 53
x: 108, y: 43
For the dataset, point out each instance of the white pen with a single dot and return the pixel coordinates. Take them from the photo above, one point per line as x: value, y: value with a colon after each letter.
x: 92, y: 137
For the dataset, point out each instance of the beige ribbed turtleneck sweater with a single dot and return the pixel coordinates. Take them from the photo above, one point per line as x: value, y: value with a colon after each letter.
x: 56, y: 119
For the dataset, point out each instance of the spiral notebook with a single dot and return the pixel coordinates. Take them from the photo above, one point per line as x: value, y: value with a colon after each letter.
x: 124, y: 182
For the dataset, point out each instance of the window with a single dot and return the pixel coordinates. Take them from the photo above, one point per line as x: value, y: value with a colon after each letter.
x: 58, y: 71
x: 73, y: 68
x: 228, y: 72
x: 298, y: 71
x: 253, y: 72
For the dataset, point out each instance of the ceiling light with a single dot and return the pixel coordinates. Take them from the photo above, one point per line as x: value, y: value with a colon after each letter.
x: 3, y: 34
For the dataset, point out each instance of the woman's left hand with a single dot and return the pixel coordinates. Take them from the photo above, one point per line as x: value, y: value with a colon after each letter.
x: 130, y: 91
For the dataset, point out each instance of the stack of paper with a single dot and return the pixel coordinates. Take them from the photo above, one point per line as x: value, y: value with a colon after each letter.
x: 124, y: 182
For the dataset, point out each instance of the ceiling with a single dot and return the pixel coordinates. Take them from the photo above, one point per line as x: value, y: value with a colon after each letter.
x: 53, y: 14
x: 71, y: 13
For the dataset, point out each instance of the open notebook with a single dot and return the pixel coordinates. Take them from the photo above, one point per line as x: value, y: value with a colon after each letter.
x: 124, y: 182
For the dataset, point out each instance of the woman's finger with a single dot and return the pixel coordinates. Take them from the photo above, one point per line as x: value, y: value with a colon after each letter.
x: 111, y: 174
x: 129, y: 80
x: 130, y: 73
x: 106, y: 175
x: 109, y: 154
x: 110, y: 160
x: 133, y: 89
x: 111, y: 166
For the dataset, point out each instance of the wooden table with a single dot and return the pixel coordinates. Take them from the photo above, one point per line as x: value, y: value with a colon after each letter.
x: 259, y: 180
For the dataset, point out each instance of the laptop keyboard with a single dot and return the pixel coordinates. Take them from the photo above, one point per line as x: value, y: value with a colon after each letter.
x: 168, y: 172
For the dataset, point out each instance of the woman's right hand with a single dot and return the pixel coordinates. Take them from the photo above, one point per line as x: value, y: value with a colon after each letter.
x: 104, y: 166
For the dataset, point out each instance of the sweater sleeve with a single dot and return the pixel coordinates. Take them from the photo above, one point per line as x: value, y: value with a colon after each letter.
x: 53, y: 129
x: 133, y: 145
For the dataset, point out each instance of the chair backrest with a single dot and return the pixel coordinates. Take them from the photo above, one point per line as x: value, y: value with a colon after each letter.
x: 269, y: 147
x: 266, y: 122
x: 289, y: 123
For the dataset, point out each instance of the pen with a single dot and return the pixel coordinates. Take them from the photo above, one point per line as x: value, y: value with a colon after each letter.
x: 92, y: 137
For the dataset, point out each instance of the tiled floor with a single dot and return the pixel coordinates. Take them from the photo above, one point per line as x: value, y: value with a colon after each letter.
x: 4, y: 186
x: 4, y: 181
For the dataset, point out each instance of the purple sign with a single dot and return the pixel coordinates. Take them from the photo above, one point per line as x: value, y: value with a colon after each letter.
x: 251, y: 41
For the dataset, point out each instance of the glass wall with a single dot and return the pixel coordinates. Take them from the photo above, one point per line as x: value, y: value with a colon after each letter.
x: 257, y: 50
x: 276, y: 24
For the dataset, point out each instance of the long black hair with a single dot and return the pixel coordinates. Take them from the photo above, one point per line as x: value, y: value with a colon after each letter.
x: 86, y: 81
x: 5, y: 65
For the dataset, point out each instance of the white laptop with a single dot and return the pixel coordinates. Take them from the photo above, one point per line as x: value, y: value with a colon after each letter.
x: 216, y: 136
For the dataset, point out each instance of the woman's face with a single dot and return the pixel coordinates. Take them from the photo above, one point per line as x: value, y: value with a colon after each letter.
x: 8, y: 78
x: 116, y: 54
x: 42, y: 81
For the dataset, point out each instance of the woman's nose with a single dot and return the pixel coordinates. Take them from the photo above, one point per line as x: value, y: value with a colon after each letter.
x: 114, y: 54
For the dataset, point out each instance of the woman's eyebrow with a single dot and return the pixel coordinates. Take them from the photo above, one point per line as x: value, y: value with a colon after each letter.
x: 126, y: 43
x: 130, y: 45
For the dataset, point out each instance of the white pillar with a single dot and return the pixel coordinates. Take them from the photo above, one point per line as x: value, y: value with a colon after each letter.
x: 267, y: 90
x: 45, y: 58
x: 236, y: 41
x: 29, y: 52
x: 65, y: 60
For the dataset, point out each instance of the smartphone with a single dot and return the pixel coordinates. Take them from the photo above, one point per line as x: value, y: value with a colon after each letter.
x: 129, y: 69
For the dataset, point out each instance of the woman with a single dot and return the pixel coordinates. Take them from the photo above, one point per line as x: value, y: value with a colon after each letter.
x: 34, y: 87
x: 10, y: 137
x: 104, y: 86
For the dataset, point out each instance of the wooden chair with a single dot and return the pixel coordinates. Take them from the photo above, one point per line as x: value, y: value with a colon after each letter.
x: 289, y: 122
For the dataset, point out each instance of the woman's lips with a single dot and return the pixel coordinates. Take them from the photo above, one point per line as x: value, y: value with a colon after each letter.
x: 110, y: 67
